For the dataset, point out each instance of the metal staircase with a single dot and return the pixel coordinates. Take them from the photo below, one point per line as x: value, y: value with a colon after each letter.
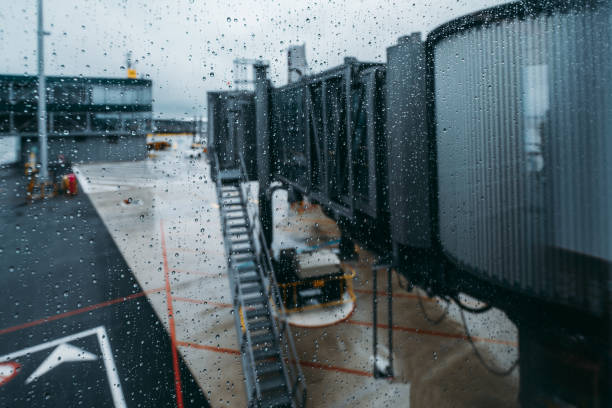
x: 271, y: 368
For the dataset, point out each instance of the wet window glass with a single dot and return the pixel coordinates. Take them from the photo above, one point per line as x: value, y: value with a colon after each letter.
x: 305, y: 204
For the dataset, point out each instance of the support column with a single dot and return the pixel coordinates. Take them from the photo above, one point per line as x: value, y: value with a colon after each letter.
x: 387, y: 372
x: 264, y: 168
x: 346, y: 246
x: 42, y: 98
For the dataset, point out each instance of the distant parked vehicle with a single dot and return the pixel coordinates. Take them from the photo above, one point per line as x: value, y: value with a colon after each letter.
x: 193, y: 152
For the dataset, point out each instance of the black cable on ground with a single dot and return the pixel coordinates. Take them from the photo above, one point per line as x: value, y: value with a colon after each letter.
x: 471, y: 309
x: 429, y: 319
x: 493, y: 370
x: 407, y: 287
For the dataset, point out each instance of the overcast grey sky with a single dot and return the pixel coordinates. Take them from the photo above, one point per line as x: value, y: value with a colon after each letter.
x: 187, y: 46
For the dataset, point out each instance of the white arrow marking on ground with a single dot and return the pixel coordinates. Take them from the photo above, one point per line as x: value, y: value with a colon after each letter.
x: 64, y: 353
x: 107, y: 356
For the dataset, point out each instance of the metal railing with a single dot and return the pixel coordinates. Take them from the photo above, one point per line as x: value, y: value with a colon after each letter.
x: 292, y: 368
x: 248, y: 360
x: 292, y: 371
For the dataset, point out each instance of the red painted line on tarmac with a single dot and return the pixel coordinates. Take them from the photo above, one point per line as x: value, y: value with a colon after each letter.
x: 200, y: 302
x: 207, y: 275
x: 175, y: 364
x: 209, y: 348
x: 322, y: 326
x: 196, y: 251
x: 395, y: 295
x: 303, y: 363
x: 79, y: 311
x: 335, y: 368
x: 433, y: 333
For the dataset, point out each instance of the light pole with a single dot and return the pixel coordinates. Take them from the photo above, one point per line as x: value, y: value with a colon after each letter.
x: 42, y: 98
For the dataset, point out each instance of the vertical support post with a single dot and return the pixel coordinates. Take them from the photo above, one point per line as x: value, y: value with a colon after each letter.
x: 264, y: 159
x: 346, y: 246
x: 390, y: 318
x: 375, y: 319
x: 388, y: 371
x: 42, y: 98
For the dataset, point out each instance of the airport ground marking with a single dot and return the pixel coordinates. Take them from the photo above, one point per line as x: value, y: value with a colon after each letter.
x: 369, y: 324
x: 107, y: 357
x: 327, y: 367
x: 433, y: 333
x: 206, y: 347
x: 204, y: 274
x: 395, y: 295
x: 200, y: 302
x: 310, y: 364
x: 79, y: 311
x: 175, y: 364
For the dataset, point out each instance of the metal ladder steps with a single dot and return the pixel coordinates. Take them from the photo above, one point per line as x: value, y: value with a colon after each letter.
x: 238, y: 236
x: 240, y: 241
x: 246, y: 268
x: 243, y: 267
x: 244, y: 250
x: 235, y: 217
x: 243, y: 258
x: 255, y: 313
x: 236, y: 221
x: 242, y: 215
x: 277, y: 401
x: 242, y: 263
x: 231, y: 201
x: 225, y: 204
x: 261, y: 339
x: 272, y: 383
x: 248, y: 278
x: 268, y: 367
x: 256, y: 300
x: 235, y: 226
x: 240, y: 249
x: 246, y: 273
x: 252, y: 289
x: 259, y: 325
x: 265, y: 354
x: 238, y: 244
x: 233, y: 206
x: 233, y: 210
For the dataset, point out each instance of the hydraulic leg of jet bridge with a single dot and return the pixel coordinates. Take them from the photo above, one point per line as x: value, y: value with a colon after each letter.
x: 382, y: 368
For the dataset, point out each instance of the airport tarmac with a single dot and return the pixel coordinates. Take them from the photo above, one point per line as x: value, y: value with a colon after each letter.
x: 76, y: 327
x: 163, y: 216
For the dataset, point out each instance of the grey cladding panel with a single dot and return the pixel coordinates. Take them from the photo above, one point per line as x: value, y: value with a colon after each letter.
x: 524, y: 121
x: 408, y: 145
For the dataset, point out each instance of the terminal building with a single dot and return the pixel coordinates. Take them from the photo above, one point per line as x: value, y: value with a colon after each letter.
x: 88, y: 119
